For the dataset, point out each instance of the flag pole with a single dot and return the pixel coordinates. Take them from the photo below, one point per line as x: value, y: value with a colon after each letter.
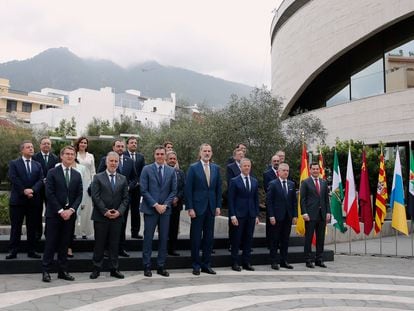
x: 409, y: 207
x: 349, y: 239
x: 334, y: 229
x: 396, y: 242
x: 365, y: 242
x: 381, y: 242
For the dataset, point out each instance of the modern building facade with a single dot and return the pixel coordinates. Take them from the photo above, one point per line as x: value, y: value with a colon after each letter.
x: 18, y: 105
x: 350, y: 63
x: 85, y: 104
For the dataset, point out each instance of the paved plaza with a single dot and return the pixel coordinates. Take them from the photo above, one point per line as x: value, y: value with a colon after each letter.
x: 349, y: 283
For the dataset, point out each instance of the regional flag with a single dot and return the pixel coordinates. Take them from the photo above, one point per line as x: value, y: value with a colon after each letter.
x: 381, y: 196
x: 365, y: 197
x: 350, y: 201
x: 337, y: 197
x: 399, y: 218
x: 304, y: 173
x: 411, y: 185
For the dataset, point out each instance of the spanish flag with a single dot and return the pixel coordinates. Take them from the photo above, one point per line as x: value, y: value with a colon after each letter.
x: 321, y: 166
x: 304, y: 173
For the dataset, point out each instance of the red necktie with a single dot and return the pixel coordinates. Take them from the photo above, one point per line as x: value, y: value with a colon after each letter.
x: 317, y: 186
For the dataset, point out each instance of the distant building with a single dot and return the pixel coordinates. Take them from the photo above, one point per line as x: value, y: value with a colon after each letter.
x: 86, y: 104
x: 18, y: 105
x: 350, y: 63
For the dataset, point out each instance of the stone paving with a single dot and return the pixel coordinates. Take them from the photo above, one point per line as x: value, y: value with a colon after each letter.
x: 349, y: 283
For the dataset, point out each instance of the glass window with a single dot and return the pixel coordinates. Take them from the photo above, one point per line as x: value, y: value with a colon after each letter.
x: 369, y: 81
x: 339, y: 98
x: 27, y: 107
x: 11, y: 105
x: 399, y: 67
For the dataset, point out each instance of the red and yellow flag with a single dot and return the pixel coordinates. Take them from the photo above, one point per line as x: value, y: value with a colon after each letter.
x: 321, y: 167
x: 381, y: 196
x: 304, y: 173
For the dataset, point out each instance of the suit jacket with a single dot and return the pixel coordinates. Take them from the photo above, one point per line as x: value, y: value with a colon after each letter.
x: 20, y: 180
x: 139, y: 163
x: 242, y: 202
x: 154, y: 192
x: 51, y: 161
x: 268, y: 176
x: 180, y: 186
x: 232, y: 171
x: 310, y: 200
x: 278, y: 203
x: 128, y: 170
x: 104, y: 198
x: 198, y: 195
x: 57, y: 193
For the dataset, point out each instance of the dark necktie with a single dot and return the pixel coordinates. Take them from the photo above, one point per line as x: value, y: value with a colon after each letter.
x: 112, y: 181
x: 28, y: 171
x: 318, y: 190
x: 133, y: 156
x: 160, y: 174
x: 247, y: 183
x: 285, y: 187
x: 67, y: 176
x: 46, y: 158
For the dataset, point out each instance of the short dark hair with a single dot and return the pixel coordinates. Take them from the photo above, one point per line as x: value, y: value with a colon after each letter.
x: 167, y: 142
x: 131, y: 138
x: 314, y: 163
x: 159, y: 147
x: 25, y: 142
x: 114, y: 142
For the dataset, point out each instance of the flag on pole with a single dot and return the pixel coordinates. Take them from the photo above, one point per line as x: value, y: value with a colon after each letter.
x: 350, y: 201
x: 337, y: 197
x: 399, y: 218
x: 381, y: 196
x: 321, y: 167
x: 304, y: 173
x: 365, y: 197
x: 411, y: 186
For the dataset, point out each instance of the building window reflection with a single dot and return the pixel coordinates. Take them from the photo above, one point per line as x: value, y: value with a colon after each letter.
x: 399, y: 65
x: 339, y: 98
x: 369, y: 81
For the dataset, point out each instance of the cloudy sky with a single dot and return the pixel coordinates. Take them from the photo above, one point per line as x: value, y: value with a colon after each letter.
x: 224, y: 38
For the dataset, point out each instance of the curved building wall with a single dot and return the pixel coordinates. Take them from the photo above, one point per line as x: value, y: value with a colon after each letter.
x: 317, y: 34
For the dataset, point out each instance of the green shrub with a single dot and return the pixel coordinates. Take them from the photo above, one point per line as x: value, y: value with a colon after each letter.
x: 4, y: 209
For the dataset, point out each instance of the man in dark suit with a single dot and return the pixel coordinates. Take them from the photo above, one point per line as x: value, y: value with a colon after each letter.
x: 281, y: 206
x: 243, y: 212
x: 126, y: 167
x: 269, y: 175
x: 64, y: 194
x: 26, y: 177
x: 314, y: 203
x: 135, y: 193
x: 110, y: 202
x: 176, y: 205
x: 233, y: 170
x: 47, y: 160
x: 240, y: 146
x: 203, y: 203
x: 158, y: 188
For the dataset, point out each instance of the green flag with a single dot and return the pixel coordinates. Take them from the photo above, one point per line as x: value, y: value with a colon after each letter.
x: 337, y: 197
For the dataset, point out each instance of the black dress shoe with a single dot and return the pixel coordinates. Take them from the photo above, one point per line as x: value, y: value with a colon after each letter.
x: 148, y: 273
x: 95, y: 274
x: 274, y: 266
x: 163, y: 272
x: 84, y: 237
x: 33, y: 255
x: 173, y: 253
x: 106, y: 254
x: 309, y: 265
x: 236, y: 267
x: 286, y: 265
x: 208, y: 270
x: 46, y: 277
x: 134, y: 235
x: 11, y: 256
x: 320, y: 264
x: 123, y: 253
x: 248, y: 267
x: 117, y: 274
x: 65, y: 276
x: 196, y: 272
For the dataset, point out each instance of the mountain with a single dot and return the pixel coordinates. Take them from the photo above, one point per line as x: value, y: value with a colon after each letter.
x: 61, y: 69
